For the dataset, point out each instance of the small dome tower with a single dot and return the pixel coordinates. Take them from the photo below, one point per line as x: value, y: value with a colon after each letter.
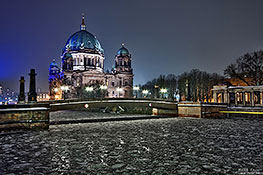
x: 123, y: 61
x: 53, y: 68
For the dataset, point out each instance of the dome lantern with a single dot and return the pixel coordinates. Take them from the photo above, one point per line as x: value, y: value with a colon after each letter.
x: 83, y: 25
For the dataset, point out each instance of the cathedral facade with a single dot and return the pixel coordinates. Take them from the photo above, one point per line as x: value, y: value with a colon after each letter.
x: 82, y: 70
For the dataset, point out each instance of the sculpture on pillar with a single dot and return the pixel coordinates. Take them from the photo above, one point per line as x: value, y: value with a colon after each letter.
x: 32, y: 95
x: 21, y: 97
x: 187, y: 90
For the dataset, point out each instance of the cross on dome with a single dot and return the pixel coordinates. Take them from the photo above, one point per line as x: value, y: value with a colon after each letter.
x: 83, y: 25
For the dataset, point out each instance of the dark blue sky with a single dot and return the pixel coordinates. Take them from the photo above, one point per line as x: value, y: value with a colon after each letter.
x: 167, y: 36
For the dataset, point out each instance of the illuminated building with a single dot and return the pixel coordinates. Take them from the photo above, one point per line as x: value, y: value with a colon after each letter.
x: 83, y: 67
x: 238, y: 95
x: 42, y: 96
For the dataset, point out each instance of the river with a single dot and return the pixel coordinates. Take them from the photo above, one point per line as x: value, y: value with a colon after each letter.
x: 153, y: 146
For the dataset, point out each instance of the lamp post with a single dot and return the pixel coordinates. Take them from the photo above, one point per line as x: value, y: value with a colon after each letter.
x: 163, y: 91
x: 156, y: 94
x: 145, y: 93
x: 64, y: 91
x: 136, y: 89
x: 55, y: 90
x: 89, y: 90
x: 103, y: 88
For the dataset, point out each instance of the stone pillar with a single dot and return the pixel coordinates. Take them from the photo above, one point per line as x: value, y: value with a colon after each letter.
x: 21, y: 97
x: 243, y: 98
x: 261, y: 100
x: 252, y: 98
x: 32, y: 95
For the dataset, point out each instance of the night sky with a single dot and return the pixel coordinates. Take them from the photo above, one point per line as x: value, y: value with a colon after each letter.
x: 164, y: 37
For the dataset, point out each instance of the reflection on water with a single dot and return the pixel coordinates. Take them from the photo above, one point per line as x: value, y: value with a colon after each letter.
x: 161, y: 146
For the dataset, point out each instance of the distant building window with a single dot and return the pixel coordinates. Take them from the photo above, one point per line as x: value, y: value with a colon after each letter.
x: 112, y: 83
x: 112, y: 92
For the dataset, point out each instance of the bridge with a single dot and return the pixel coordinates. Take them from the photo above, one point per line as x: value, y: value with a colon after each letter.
x: 105, y: 104
x: 36, y: 115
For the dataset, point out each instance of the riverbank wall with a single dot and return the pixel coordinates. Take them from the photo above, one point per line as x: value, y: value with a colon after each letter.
x: 29, y: 116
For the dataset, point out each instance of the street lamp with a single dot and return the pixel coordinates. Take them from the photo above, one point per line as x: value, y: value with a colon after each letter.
x: 103, y: 89
x: 145, y: 93
x: 136, y: 89
x: 64, y: 89
x: 89, y: 90
x: 156, y: 91
x: 55, y: 89
x: 163, y: 91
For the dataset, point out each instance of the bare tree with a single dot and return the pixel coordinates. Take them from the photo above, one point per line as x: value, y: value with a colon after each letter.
x: 200, y: 83
x: 248, y: 66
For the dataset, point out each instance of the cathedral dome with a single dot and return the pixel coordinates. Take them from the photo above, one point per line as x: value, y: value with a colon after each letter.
x: 53, y: 68
x: 83, y: 40
x: 123, y: 51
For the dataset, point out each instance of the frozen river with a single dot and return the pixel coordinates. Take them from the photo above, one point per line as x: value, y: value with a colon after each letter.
x: 156, y: 146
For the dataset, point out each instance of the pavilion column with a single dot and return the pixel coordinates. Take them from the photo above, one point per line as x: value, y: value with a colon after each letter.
x: 252, y: 98
x: 243, y: 98
x: 260, y: 100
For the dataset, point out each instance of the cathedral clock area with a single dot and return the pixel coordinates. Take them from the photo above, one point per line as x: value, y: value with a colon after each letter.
x: 82, y: 70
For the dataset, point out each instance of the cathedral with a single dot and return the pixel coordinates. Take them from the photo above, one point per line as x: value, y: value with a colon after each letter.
x: 82, y: 70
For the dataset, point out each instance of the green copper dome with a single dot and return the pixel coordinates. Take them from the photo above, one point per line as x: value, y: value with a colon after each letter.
x: 83, y: 40
x: 123, y: 51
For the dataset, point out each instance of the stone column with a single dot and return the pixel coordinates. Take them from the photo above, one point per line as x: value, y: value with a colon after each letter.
x: 21, y: 97
x: 261, y: 100
x: 252, y: 98
x: 32, y: 95
x: 244, y: 99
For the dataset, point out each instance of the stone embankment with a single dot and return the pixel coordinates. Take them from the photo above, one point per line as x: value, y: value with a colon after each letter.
x: 24, y: 117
